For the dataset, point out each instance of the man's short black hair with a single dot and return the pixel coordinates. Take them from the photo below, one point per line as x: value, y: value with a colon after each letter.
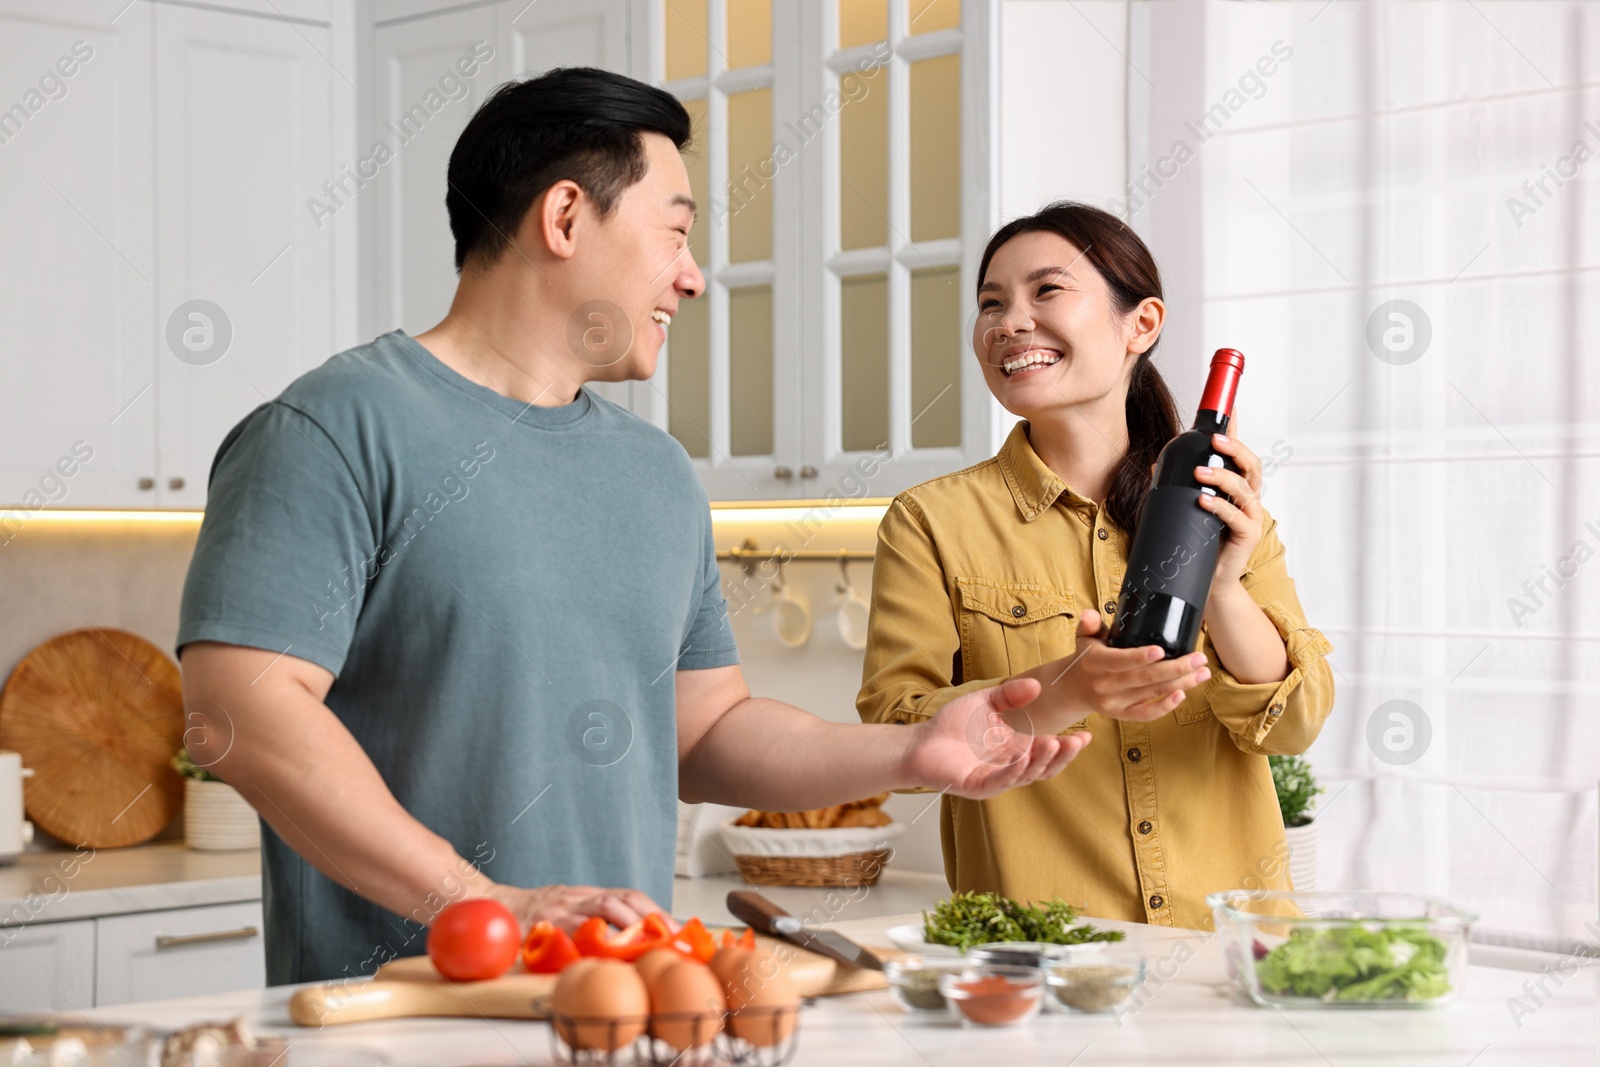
x: 574, y: 123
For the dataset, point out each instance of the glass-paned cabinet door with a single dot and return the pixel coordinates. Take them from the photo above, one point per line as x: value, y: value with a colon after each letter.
x: 843, y: 198
x: 728, y: 388
x: 896, y: 210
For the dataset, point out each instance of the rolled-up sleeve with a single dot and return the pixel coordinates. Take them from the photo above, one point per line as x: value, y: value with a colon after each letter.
x: 912, y: 641
x: 1276, y: 718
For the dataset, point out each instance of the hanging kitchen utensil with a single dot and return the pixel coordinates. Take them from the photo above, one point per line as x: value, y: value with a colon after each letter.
x: 854, y: 610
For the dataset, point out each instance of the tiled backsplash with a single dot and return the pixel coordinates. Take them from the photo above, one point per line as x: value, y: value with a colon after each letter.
x: 60, y: 575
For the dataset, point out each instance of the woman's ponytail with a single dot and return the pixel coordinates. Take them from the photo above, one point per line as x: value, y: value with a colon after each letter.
x: 1131, y: 276
x: 1152, y: 422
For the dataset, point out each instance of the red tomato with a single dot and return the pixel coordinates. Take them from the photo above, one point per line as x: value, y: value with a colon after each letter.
x: 474, y: 939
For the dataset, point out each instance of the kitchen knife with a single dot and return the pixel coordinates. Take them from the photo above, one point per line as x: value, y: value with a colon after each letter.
x: 763, y: 915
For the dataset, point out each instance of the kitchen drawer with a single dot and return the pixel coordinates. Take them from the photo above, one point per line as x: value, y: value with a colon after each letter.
x: 47, y: 967
x: 159, y: 954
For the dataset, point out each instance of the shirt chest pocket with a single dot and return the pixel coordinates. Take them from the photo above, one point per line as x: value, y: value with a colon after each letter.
x: 1007, y: 628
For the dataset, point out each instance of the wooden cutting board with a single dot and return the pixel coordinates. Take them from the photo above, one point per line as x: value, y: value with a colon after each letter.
x: 410, y: 988
x: 98, y: 715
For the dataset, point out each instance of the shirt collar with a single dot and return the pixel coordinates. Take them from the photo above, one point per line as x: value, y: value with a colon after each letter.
x: 1034, y: 486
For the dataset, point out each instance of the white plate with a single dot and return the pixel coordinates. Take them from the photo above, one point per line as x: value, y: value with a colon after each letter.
x: 909, y: 938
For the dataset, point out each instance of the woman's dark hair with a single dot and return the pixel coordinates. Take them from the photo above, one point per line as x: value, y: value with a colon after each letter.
x: 571, y: 123
x: 1131, y: 276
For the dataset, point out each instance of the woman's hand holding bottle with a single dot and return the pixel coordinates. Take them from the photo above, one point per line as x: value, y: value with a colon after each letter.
x: 1134, y: 684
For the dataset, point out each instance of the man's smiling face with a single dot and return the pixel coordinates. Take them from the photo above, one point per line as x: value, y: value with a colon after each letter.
x: 631, y: 269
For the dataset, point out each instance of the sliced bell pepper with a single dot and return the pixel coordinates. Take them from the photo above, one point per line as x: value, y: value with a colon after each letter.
x: 596, y: 937
x: 746, y: 940
x: 548, y: 949
x: 695, y: 942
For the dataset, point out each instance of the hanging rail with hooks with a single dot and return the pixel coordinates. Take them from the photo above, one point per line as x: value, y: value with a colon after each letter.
x: 749, y: 554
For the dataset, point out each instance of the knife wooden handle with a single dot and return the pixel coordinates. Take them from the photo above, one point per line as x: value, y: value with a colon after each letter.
x: 755, y: 910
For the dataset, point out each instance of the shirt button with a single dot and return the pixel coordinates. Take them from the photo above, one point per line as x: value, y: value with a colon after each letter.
x: 1145, y: 827
x: 1134, y: 755
x: 1111, y: 607
x: 1101, y: 533
x: 1019, y: 611
x: 1276, y: 709
x: 1156, y: 902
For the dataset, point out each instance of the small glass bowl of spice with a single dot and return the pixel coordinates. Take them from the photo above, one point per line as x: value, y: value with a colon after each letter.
x: 1104, y: 982
x: 914, y: 981
x: 992, y: 994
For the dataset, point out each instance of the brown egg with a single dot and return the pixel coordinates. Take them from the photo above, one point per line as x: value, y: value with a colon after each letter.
x: 687, y: 1004
x: 726, y: 964
x: 654, y: 962
x: 762, y: 999
x: 605, y: 1004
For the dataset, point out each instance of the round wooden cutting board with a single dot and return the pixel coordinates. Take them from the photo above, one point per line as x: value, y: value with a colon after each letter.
x: 98, y: 715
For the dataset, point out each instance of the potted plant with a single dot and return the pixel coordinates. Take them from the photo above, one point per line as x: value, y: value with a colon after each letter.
x: 215, y: 817
x: 1297, y: 787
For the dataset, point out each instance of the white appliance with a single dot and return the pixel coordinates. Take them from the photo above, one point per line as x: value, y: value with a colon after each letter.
x: 15, y: 831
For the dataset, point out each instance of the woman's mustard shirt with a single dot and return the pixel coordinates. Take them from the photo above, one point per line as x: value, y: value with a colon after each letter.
x: 982, y: 574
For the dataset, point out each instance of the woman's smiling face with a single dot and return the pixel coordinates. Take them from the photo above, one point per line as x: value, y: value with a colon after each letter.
x: 1048, y: 334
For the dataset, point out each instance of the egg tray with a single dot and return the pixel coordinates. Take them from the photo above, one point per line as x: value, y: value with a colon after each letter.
x: 713, y: 1045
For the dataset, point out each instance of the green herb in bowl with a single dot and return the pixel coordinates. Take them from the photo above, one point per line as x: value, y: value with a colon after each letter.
x: 968, y: 919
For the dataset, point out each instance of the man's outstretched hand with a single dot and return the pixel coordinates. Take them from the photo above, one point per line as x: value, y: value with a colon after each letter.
x: 970, y: 748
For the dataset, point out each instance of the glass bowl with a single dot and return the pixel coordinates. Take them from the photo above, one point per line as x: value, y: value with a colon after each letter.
x: 1030, y: 953
x: 1104, y: 982
x: 1358, y: 949
x: 993, y: 995
x: 914, y: 982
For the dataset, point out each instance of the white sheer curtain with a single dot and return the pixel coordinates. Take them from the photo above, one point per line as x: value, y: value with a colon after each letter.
x: 1297, y: 167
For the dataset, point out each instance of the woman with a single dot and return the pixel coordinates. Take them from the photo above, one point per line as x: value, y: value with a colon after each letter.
x: 1011, y: 566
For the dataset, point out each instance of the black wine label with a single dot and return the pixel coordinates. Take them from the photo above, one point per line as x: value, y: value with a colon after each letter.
x: 1175, y: 548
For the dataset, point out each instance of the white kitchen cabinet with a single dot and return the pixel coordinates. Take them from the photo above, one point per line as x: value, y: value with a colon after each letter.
x: 156, y: 955
x: 846, y: 181
x: 47, y: 967
x: 415, y: 100
x: 156, y: 154
x: 77, y: 281
x: 244, y: 145
x: 429, y: 71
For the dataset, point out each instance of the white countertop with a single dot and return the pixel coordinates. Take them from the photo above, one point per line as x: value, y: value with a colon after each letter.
x: 896, y: 893
x: 1189, y: 1018
x: 56, y: 885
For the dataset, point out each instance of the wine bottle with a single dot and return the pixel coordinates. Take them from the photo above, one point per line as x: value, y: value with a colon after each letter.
x: 1174, y: 553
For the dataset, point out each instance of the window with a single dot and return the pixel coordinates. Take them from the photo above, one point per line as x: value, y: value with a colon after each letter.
x: 1401, y: 240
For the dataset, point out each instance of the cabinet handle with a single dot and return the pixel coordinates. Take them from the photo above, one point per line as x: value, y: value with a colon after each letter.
x: 808, y: 471
x: 174, y: 483
x: 147, y: 483
x: 178, y: 941
x: 782, y: 473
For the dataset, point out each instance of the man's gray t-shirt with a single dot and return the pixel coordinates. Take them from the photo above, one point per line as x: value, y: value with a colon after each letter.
x: 502, y: 592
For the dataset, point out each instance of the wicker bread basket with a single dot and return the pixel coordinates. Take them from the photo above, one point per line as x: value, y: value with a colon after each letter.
x: 847, y: 856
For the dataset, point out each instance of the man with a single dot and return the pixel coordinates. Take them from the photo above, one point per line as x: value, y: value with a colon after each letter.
x: 454, y: 625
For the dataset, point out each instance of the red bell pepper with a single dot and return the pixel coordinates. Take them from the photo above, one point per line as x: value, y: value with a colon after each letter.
x: 596, y: 937
x: 548, y: 949
x: 694, y: 941
x: 746, y: 940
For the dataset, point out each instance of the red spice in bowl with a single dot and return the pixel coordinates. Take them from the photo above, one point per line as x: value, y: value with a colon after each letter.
x: 994, y: 996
